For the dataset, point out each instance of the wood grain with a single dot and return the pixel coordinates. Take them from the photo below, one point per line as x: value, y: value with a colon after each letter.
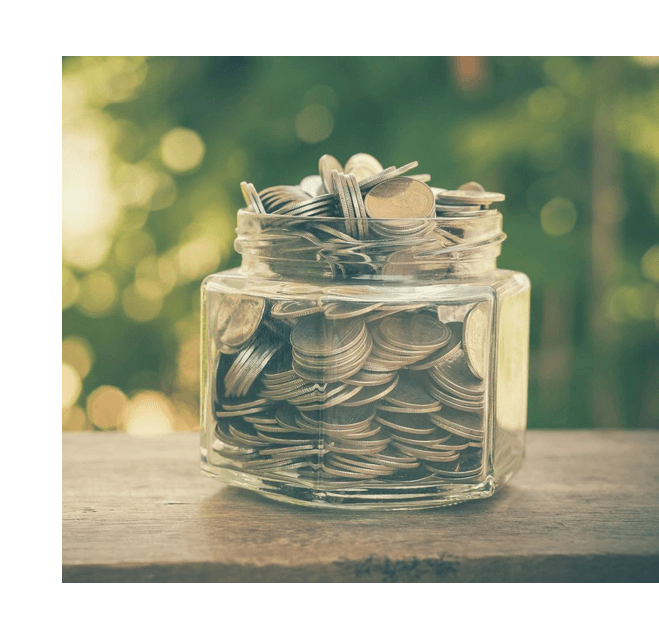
x: 584, y: 508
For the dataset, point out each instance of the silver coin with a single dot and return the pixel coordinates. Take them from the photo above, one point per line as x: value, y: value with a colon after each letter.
x: 234, y: 369
x: 420, y: 332
x: 451, y: 401
x: 470, y: 197
x: 472, y: 186
x: 358, y: 206
x: 454, y: 374
x: 345, y: 203
x: 251, y: 197
x: 426, y: 454
x: 340, y: 416
x: 326, y: 165
x: 313, y: 185
x: 294, y: 309
x: 368, y: 395
x: 253, y: 368
x: 238, y: 318
x: 315, y: 335
x: 339, y: 357
x: 475, y: 338
x: 409, y: 394
x: 434, y: 441
x: 320, y: 204
x: 363, y: 166
x: 327, y: 403
x: 458, y: 209
x: 407, y: 423
x: 387, y: 174
x: 400, y: 198
x: 371, y: 379
x: 454, y: 343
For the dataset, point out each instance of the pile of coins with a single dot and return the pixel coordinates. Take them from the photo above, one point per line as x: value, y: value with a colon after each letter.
x: 373, y: 205
x: 350, y: 392
x: 387, y: 393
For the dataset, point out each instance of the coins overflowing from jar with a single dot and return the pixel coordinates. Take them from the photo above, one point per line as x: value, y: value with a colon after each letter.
x: 391, y: 223
x: 344, y: 392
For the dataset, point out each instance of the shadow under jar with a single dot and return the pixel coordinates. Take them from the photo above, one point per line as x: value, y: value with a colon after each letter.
x: 383, y: 371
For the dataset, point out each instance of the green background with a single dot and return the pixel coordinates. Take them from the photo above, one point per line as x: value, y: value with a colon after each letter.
x: 154, y: 150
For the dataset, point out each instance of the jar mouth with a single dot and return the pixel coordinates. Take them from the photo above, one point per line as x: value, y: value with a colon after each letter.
x: 339, y: 248
x: 444, y: 219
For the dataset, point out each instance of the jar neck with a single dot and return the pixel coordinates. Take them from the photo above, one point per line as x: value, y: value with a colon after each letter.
x: 300, y: 248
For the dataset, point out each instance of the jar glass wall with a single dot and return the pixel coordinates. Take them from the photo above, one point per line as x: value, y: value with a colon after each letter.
x: 385, y: 373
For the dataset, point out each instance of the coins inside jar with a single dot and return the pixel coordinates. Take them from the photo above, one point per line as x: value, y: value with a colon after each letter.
x: 342, y: 399
x: 354, y: 385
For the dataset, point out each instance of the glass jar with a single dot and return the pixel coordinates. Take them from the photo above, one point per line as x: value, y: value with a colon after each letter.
x: 379, y: 371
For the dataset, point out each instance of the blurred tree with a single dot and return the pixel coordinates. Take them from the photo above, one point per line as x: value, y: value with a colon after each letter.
x: 154, y: 150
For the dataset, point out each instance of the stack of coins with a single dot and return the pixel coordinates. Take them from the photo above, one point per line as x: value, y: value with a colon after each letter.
x: 336, y: 391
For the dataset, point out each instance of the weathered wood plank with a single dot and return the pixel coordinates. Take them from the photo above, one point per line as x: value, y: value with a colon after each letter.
x: 585, y: 507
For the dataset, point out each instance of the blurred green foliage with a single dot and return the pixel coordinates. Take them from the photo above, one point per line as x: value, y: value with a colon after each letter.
x: 154, y: 150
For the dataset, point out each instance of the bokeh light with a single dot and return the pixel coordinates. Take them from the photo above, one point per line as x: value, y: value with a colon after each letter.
x: 558, y: 217
x: 314, y: 123
x: 98, y: 293
x: 71, y: 385
x: 547, y: 104
x: 139, y: 307
x: 77, y: 352
x: 650, y: 263
x: 182, y: 149
x: 70, y: 288
x: 647, y: 61
x: 105, y: 406
x: 75, y: 419
x: 149, y: 413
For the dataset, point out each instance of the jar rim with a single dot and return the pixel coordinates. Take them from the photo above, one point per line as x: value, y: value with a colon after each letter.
x: 291, y: 218
x: 343, y: 249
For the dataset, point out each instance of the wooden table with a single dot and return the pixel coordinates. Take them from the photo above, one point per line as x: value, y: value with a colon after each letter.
x: 584, y: 508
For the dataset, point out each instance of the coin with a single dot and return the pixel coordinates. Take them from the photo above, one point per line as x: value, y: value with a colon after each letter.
x: 371, y: 379
x: 294, y: 309
x: 443, y: 352
x: 400, y: 198
x: 471, y: 186
x: 368, y: 395
x: 252, y: 197
x: 470, y: 197
x: 278, y: 197
x: 363, y: 166
x: 475, y: 338
x: 420, y: 332
x: 358, y: 206
x: 313, y: 185
x: 326, y: 165
x: 237, y: 319
x: 406, y: 423
x: 345, y: 202
x: 316, y: 335
x: 409, y: 394
x: 457, y: 209
x: 387, y: 174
